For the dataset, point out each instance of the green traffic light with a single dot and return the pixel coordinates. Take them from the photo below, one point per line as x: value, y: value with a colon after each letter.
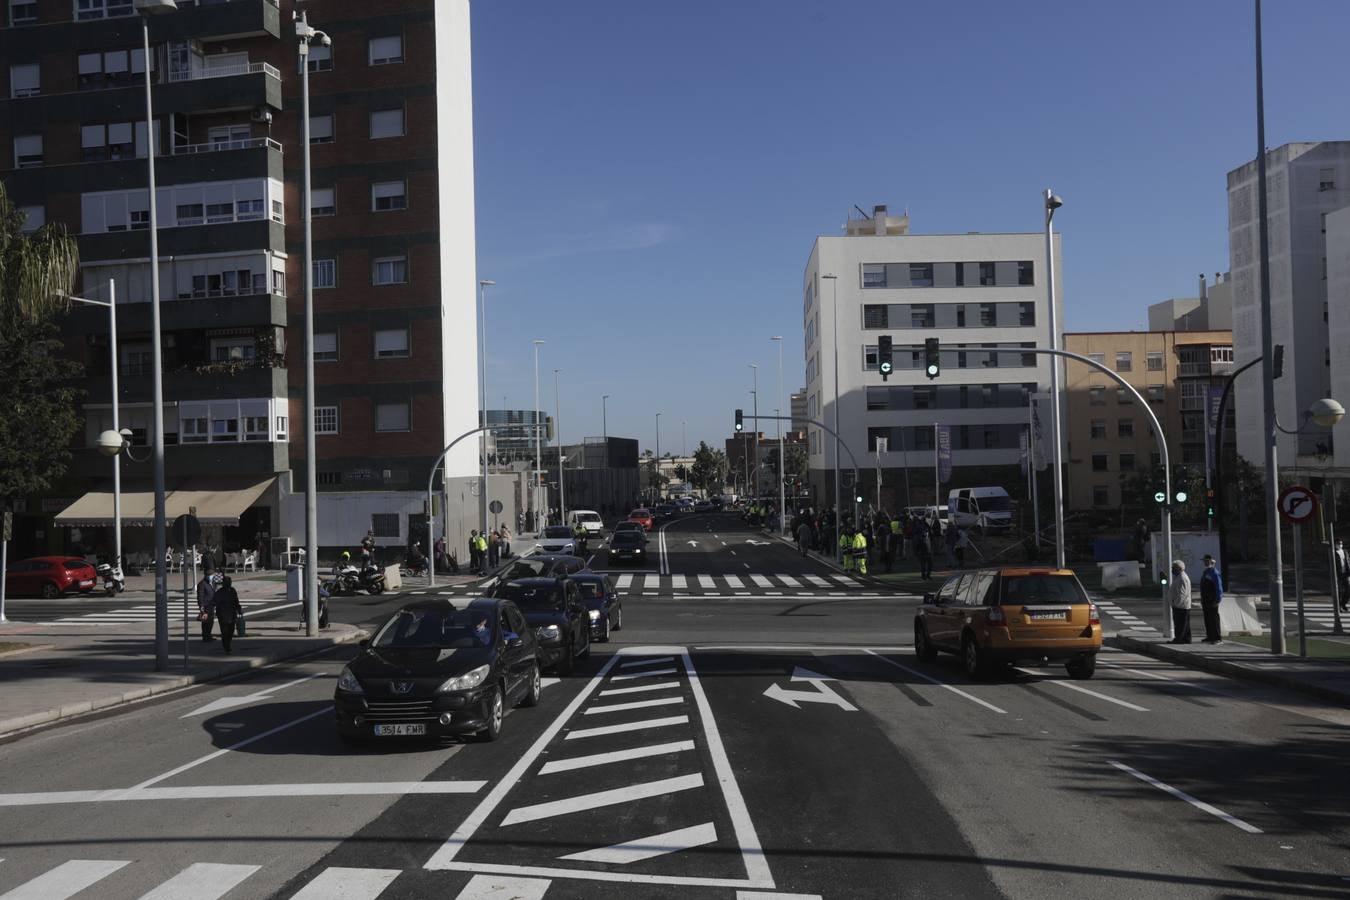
x: 1181, y: 496
x: 1160, y: 497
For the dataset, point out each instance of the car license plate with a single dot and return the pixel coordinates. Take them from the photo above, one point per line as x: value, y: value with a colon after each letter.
x: 400, y: 730
x: 1042, y: 616
x: 86, y: 584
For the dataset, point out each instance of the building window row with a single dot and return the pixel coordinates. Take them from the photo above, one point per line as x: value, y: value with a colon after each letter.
x: 248, y: 420
x: 964, y: 437
x: 182, y: 205
x: 953, y: 396
x: 388, y: 343
x: 385, y: 196
x: 384, y: 50
x: 1016, y: 273
x: 957, y: 356
x: 1124, y: 429
x: 949, y: 315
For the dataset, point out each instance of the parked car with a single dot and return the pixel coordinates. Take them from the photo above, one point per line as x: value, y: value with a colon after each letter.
x: 50, y: 576
x: 603, y: 605
x: 985, y: 509
x: 556, y: 539
x: 703, y: 506
x: 436, y: 671
x: 627, y: 546
x: 643, y: 516
x: 555, y: 612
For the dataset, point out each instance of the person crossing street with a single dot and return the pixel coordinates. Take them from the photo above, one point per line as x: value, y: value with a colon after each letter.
x: 860, y: 552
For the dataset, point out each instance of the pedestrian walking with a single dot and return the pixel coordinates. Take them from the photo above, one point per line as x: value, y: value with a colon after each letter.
x: 804, y: 537
x: 206, y: 590
x: 504, y: 539
x: 1211, y: 595
x: 1343, y: 575
x: 480, y: 542
x: 860, y: 552
x: 228, y: 611
x: 438, y: 554
x: 474, y: 565
x: 923, y: 549
x: 1179, y: 595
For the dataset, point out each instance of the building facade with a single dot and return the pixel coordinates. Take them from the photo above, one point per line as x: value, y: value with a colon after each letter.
x: 983, y: 296
x: 393, y: 268
x: 1338, y: 326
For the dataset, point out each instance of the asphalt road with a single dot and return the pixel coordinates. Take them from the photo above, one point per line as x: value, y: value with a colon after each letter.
x: 722, y: 746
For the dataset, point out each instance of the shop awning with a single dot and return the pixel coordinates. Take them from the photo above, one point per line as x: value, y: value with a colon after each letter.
x: 218, y: 502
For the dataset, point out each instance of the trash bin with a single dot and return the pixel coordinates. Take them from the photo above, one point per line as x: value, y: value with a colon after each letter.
x: 295, y: 584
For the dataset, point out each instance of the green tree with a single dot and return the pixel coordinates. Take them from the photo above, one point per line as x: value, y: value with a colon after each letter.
x: 710, y: 469
x: 38, y: 418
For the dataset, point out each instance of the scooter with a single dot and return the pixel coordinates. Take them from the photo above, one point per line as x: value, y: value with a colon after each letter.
x: 346, y: 582
x: 371, y: 579
x: 114, y: 582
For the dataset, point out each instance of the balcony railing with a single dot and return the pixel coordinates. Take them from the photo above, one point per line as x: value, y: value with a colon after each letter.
x: 214, y: 146
x: 201, y: 73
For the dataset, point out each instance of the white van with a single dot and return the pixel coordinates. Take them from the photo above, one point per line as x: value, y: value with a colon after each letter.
x: 589, y: 519
x: 983, y: 508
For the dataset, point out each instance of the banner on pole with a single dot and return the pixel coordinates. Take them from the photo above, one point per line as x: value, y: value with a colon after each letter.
x: 1022, y: 452
x: 944, y: 452
x: 1212, y: 398
x: 1041, y: 431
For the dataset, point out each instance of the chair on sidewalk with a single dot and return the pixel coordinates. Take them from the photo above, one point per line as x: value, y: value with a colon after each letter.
x: 250, y: 563
x: 232, y: 562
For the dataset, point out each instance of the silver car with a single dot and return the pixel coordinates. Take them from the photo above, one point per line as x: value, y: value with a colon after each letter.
x: 556, y: 539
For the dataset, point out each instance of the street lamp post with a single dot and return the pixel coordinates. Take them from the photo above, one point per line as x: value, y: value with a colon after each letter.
x: 604, y: 424
x: 656, y: 469
x: 782, y: 463
x: 150, y: 8
x: 557, y: 434
x: 306, y: 34
x: 113, y: 450
x: 754, y: 414
x: 482, y: 396
x: 538, y: 477
x: 1052, y: 203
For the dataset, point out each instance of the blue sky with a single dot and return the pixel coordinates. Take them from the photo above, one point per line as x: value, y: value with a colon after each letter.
x: 650, y: 176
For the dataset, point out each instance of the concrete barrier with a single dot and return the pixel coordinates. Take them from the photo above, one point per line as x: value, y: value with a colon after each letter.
x: 1119, y: 574
x: 393, y: 581
x: 1237, y: 615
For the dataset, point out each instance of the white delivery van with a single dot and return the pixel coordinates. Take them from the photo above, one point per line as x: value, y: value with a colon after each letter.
x: 589, y: 519
x: 985, y: 509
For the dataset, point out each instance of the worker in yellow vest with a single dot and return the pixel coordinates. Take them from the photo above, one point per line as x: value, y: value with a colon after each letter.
x: 860, y: 552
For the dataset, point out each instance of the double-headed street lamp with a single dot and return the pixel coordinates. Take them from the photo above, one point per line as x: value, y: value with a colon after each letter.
x: 1052, y: 203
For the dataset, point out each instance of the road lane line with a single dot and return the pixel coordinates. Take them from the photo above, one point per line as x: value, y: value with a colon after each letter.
x: 772, y: 895
x: 706, y: 582
x: 640, y: 791
x: 600, y: 759
x: 626, y: 727
x: 636, y: 704
x: 761, y: 581
x: 955, y: 690
x: 201, y: 881
x: 501, y: 887
x: 677, y: 582
x: 852, y: 647
x: 734, y: 582
x: 648, y: 661
x: 65, y: 880
x: 340, y: 883
x: 229, y: 791
x: 1182, y: 795
x: 631, y: 675
x: 1082, y: 690
x: 641, y: 688
x: 649, y: 847
x: 789, y: 581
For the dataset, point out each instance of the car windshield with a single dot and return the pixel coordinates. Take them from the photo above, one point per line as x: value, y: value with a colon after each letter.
x: 525, y: 568
x: 556, y: 531
x: 1022, y: 590
x: 641, y: 513
x: 533, y: 596
x: 591, y: 590
x: 435, y: 628
x: 584, y: 517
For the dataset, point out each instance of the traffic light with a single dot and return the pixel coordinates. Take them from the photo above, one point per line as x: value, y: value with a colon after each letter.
x: 1181, y: 496
x: 1160, y: 497
x: 884, y: 361
x: 1209, y: 503
x: 932, y: 352
x: 740, y: 422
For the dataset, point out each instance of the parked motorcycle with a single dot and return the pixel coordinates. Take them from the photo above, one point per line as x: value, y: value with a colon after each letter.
x: 114, y: 582
x: 371, y: 579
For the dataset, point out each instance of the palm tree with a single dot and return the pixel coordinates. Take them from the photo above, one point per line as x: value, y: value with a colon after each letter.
x: 37, y: 270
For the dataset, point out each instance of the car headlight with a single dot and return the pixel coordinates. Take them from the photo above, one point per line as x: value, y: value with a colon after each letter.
x: 547, y: 632
x: 466, y: 682
x: 347, y: 682
x: 637, y: 550
x: 595, y: 615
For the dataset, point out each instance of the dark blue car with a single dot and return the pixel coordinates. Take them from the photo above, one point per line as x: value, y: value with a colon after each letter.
x: 603, y: 605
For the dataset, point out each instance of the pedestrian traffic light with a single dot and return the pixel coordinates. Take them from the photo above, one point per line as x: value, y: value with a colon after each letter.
x: 884, y: 360
x: 932, y: 352
x: 740, y: 423
x: 1209, y: 503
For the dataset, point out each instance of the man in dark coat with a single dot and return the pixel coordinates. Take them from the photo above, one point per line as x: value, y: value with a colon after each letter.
x: 228, y: 611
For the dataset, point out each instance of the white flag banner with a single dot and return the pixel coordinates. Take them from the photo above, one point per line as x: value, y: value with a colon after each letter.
x: 1042, y: 436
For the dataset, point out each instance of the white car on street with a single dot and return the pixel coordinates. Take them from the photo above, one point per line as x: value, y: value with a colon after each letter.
x: 589, y: 519
x: 556, y: 539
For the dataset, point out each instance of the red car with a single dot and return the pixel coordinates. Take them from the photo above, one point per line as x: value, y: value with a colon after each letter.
x: 643, y: 517
x: 50, y: 576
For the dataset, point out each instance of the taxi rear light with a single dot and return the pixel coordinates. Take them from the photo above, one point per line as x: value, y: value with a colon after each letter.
x: 996, y: 616
x: 1094, y: 617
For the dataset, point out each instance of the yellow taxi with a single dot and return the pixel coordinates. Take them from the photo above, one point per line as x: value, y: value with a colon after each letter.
x: 992, y: 617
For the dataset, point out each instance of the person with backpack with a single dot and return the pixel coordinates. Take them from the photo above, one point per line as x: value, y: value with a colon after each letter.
x: 225, y: 602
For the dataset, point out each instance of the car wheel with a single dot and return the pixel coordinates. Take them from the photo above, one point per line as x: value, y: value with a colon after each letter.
x: 536, y: 688
x: 618, y: 618
x: 496, y: 712
x: 604, y: 631
x: 972, y: 659
x: 924, y: 651
x: 50, y: 591
x: 1082, y: 667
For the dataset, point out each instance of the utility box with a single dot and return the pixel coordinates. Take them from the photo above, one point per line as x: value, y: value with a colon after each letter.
x: 1188, y: 546
x: 295, y: 584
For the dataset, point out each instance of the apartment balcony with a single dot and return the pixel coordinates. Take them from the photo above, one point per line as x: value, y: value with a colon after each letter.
x: 212, y: 384
x: 181, y: 460
x: 203, y: 89
x: 218, y: 20
x: 243, y: 311
x: 187, y: 240
x: 185, y: 164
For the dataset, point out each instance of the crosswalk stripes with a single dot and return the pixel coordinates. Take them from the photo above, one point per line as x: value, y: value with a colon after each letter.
x: 66, y: 880
x: 201, y: 881
x: 1124, y: 616
x: 650, y: 584
x: 145, y: 612
x: 349, y: 884
x: 733, y: 582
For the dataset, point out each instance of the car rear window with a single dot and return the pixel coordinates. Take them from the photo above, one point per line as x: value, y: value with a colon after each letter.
x: 530, y: 596
x: 556, y: 531
x: 641, y: 512
x: 1032, y: 590
x: 75, y: 565
x: 591, y: 590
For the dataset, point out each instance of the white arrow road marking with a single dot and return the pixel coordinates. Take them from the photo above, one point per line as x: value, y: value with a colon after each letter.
x: 823, y: 693
x: 603, y: 798
x: 349, y: 884
x: 691, y: 544
x: 232, y: 702
x: 754, y: 543
x: 649, y: 847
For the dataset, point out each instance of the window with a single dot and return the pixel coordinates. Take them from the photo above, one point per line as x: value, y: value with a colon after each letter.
x: 1127, y: 462
x: 24, y: 80
x: 991, y: 438
x: 1099, y: 358
x: 1099, y: 462
x: 327, y: 479
x: 870, y: 363
x: 878, y: 398
x: 34, y: 217
x: 1096, y: 395
x: 876, y: 315
x: 925, y: 397
x: 390, y: 270
x: 1125, y: 428
x: 920, y: 274
x: 325, y: 420
x: 387, y: 195
x: 111, y: 68
x: 1101, y: 495
x: 115, y: 140
x: 1155, y: 459
x: 987, y: 277
x: 391, y: 343
x: 988, y: 315
x: 325, y: 346
x: 875, y: 434
x: 386, y: 50
x: 922, y: 437
x: 921, y: 315
x: 235, y: 349
x: 321, y: 202
x: 874, y: 275
x: 325, y: 273
x: 1026, y: 314
x: 85, y: 10
x: 1098, y: 432
x: 386, y: 123
x: 1326, y: 180
x: 1122, y: 396
x: 320, y: 58
x: 392, y: 417
x: 229, y: 137
x: 385, y: 525
x: 27, y: 151
x: 321, y: 129
x: 1157, y: 393
x: 191, y: 213
x: 1124, y: 361
x: 224, y: 426
x: 23, y: 12
x: 1026, y: 272
x: 1154, y: 361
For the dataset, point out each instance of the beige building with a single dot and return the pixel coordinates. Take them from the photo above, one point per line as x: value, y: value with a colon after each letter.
x: 1109, y: 437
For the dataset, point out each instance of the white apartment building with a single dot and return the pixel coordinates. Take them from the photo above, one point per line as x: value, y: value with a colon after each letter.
x: 1305, y: 183
x: 1338, y: 322
x: 983, y: 295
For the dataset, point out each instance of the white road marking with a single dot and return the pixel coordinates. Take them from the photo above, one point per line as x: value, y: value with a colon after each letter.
x: 65, y: 880
x: 641, y: 791
x: 631, y: 675
x: 844, y: 580
x: 1182, y: 795
x: 817, y: 580
x: 201, y: 881
x: 636, y: 704
x: 704, y: 581
x: 641, y: 688
x: 761, y: 581
x: 734, y: 582
x: 649, y: 847
x: 773, y: 895
x: 600, y: 759
x: 230, y: 791
x: 955, y: 690
x: 1082, y: 690
x: 678, y: 583
x: 231, y: 702
x: 502, y: 887
x: 626, y: 726
x: 646, y: 661
x: 339, y: 883
x: 623, y: 581
x: 788, y: 580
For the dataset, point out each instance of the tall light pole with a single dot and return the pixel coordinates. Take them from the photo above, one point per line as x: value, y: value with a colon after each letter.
x: 684, y: 437
x: 111, y: 303
x: 1052, y: 203
x: 604, y: 424
x: 538, y: 440
x: 557, y: 434
x: 754, y: 416
x: 306, y: 34
x: 150, y: 8
x: 482, y: 396
x: 1273, y: 549
x: 782, y: 463
x: 656, y: 470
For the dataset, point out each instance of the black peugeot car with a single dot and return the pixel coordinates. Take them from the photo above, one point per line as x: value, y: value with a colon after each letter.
x: 555, y: 612
x: 602, y: 603
x: 627, y: 546
x: 435, y: 670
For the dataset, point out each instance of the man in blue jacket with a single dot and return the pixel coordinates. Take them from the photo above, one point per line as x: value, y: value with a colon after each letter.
x: 1211, y: 594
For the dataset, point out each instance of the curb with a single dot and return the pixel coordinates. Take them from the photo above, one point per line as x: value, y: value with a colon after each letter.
x: 1226, y: 667
x: 12, y: 727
